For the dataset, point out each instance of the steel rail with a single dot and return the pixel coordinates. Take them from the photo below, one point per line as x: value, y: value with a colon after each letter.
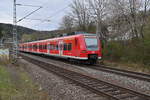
x: 122, y: 72
x: 112, y: 91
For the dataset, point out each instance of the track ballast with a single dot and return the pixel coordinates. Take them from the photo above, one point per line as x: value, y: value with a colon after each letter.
x: 100, y: 87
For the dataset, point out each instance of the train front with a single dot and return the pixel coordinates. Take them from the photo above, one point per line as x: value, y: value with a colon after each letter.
x: 93, y: 48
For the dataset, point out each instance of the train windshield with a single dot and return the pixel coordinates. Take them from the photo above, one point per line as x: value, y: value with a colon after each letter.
x: 91, y: 43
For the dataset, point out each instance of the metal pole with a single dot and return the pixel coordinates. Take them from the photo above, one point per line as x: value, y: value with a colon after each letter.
x: 15, y: 40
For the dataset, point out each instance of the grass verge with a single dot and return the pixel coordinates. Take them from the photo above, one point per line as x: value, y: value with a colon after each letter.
x: 129, y: 66
x: 18, y: 86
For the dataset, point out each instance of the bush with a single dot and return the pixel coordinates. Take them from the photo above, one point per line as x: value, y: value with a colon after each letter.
x: 113, y: 51
x: 137, y: 51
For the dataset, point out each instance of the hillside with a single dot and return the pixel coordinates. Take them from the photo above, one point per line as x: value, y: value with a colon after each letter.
x: 7, y: 30
x: 26, y: 34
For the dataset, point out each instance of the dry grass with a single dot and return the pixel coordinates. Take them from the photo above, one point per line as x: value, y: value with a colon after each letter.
x: 15, y: 84
x: 4, y: 59
x: 129, y: 66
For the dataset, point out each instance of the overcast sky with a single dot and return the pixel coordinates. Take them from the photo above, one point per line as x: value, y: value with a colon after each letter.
x: 53, y: 10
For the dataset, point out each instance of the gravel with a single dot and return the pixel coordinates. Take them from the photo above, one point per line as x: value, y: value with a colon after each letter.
x: 57, y: 87
x: 128, y: 82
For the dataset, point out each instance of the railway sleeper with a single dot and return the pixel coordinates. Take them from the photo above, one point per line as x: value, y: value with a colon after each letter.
x: 96, y: 86
x: 124, y: 96
x: 103, y: 87
x: 108, y: 90
x: 131, y: 98
x: 92, y: 83
x: 136, y: 98
x: 114, y: 92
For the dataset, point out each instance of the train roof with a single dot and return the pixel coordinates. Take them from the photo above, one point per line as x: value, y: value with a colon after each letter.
x: 70, y: 36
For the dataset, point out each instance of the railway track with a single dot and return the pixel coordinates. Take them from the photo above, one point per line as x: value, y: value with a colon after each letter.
x: 135, y: 75
x: 112, y: 91
x: 121, y: 72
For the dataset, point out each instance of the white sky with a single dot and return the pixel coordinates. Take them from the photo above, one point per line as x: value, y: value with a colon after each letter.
x: 50, y: 8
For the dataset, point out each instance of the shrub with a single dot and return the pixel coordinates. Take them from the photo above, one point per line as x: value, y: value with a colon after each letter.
x: 137, y: 51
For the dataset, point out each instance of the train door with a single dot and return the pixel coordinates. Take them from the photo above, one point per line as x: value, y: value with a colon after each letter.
x: 60, y: 46
x: 48, y: 48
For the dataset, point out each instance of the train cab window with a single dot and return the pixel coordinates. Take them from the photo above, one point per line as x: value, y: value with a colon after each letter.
x: 69, y: 47
x: 91, y: 43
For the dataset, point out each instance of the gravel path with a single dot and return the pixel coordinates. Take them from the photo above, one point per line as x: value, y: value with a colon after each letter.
x: 58, y: 88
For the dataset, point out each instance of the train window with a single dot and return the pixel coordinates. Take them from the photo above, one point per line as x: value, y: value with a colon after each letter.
x: 69, y: 47
x: 40, y: 47
x: 54, y: 47
x: 37, y: 46
x: 45, y: 47
x: 57, y: 47
x: 51, y: 46
x: 34, y: 46
x: 65, y: 46
x: 48, y: 46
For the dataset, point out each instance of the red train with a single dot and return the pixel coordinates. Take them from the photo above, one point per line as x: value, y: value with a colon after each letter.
x: 85, y: 47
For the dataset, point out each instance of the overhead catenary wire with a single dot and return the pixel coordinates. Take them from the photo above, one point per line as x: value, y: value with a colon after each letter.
x: 43, y: 6
x: 54, y: 14
x: 29, y: 14
x: 28, y: 5
x: 38, y: 19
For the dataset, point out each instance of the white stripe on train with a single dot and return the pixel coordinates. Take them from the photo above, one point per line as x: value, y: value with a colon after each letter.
x: 64, y: 56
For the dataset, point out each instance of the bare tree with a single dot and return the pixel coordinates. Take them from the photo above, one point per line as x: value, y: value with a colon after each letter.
x: 81, y: 14
x: 146, y: 5
x: 119, y: 18
x: 130, y: 16
x: 67, y: 23
x: 99, y: 9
